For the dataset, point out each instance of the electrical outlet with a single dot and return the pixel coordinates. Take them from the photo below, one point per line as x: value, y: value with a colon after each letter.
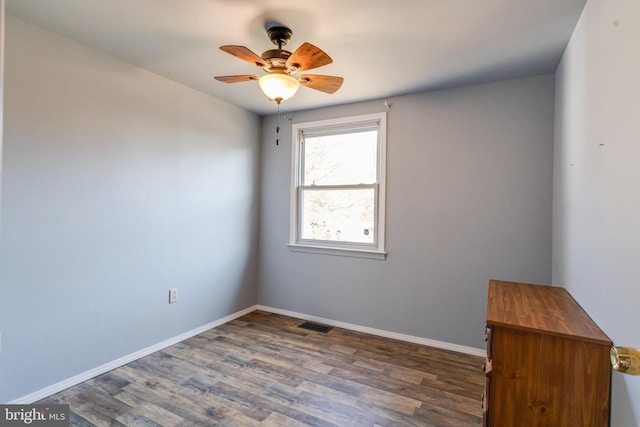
x: 173, y: 295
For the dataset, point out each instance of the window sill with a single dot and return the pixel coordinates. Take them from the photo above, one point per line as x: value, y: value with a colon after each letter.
x: 326, y: 250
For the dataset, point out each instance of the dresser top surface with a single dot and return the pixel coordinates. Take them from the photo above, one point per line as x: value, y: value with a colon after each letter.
x: 543, y: 309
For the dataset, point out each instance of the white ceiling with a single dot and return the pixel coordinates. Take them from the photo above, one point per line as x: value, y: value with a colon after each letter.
x: 382, y: 48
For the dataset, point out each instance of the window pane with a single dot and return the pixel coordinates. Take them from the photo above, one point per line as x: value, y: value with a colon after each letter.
x: 345, y: 215
x: 349, y: 158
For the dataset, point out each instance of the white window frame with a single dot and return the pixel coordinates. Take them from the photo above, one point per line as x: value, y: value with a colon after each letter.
x: 346, y: 124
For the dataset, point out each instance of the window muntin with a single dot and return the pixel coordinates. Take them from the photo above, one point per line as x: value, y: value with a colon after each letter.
x: 338, y: 184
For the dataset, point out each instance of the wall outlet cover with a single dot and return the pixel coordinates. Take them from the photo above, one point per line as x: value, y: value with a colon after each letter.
x: 173, y: 295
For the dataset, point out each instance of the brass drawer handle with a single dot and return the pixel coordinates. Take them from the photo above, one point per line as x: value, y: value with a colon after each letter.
x: 626, y: 360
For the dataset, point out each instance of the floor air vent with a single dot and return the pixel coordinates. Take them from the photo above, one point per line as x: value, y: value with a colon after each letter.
x: 315, y: 327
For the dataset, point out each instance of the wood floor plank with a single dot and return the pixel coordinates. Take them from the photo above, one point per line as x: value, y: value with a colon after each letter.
x: 97, y: 407
x: 193, y: 408
x: 154, y: 413
x: 383, y: 415
x: 249, y: 404
x: 133, y: 419
x: 274, y: 396
x: 276, y: 419
x: 78, y: 421
x: 263, y: 370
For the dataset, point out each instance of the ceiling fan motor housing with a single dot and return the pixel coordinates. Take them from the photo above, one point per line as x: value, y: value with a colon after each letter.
x: 276, y: 58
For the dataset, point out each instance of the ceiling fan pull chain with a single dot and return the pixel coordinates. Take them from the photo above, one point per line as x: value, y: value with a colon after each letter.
x: 278, y: 126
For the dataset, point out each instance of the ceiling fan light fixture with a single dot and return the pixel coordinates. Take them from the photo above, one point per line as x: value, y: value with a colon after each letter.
x: 279, y: 87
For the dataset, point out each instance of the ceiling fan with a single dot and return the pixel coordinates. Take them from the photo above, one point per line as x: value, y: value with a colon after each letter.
x: 281, y: 81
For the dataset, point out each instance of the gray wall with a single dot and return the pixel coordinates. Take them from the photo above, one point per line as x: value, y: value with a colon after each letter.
x: 118, y: 184
x: 2, y: 24
x: 469, y: 195
x: 597, y: 180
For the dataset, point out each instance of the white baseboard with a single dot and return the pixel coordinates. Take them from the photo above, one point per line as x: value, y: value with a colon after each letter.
x: 87, y: 375
x: 379, y: 332
x: 92, y: 373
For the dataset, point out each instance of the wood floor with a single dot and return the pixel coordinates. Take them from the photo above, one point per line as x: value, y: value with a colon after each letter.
x: 262, y: 370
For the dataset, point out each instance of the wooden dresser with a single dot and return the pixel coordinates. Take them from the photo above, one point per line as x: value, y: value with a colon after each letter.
x: 547, y: 362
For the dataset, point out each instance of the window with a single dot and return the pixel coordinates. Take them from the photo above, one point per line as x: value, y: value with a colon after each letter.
x: 338, y: 192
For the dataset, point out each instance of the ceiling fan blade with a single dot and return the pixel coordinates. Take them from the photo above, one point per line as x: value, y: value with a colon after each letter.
x: 245, y: 54
x: 327, y: 84
x: 306, y: 57
x: 237, y: 79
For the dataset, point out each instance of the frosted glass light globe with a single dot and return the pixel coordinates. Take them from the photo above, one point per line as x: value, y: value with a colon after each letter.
x: 279, y: 87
